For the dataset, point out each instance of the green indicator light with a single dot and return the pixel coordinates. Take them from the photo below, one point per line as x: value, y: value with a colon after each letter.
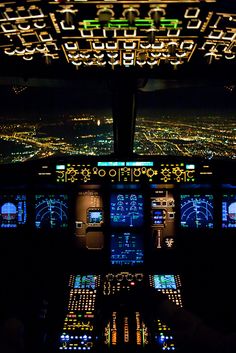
x: 95, y: 24
x: 91, y: 24
x: 144, y: 23
x: 169, y: 23
x: 118, y: 24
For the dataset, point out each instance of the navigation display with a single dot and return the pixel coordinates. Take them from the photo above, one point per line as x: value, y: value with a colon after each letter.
x: 196, y: 211
x: 126, y: 248
x: 12, y: 211
x: 164, y: 282
x: 51, y: 211
x: 126, y: 210
x: 229, y: 211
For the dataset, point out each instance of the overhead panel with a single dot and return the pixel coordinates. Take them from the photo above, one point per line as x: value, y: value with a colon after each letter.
x: 117, y: 33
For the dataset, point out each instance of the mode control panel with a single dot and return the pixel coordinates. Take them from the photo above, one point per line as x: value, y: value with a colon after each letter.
x: 127, y: 171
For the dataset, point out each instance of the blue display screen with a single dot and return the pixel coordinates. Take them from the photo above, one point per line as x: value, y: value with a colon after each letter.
x: 12, y: 211
x: 126, y: 248
x: 126, y: 209
x: 158, y: 217
x: 51, y: 211
x: 229, y: 211
x: 85, y: 282
x: 164, y: 282
x: 95, y: 216
x: 196, y: 211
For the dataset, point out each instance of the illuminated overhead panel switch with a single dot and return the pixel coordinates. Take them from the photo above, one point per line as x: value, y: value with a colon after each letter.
x: 172, y: 48
x: 156, y: 15
x: 131, y: 14
x: 151, y: 35
x: 104, y: 15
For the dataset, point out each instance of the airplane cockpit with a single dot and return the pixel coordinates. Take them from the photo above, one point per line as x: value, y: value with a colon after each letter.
x: 117, y: 167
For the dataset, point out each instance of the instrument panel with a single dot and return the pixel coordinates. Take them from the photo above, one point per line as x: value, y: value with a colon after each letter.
x: 94, y: 199
x: 127, y: 228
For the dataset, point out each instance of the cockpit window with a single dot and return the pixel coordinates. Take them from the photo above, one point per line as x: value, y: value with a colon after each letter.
x: 43, y: 118
x: 182, y: 120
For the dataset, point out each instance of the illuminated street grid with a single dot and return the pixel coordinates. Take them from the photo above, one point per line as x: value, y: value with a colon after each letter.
x: 208, y: 137
x: 205, y: 136
x: 84, y: 135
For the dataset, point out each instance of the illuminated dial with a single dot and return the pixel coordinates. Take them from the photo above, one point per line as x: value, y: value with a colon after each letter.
x: 72, y: 174
x: 177, y: 171
x: 51, y: 211
x: 150, y: 172
x: 166, y: 172
x: 86, y: 172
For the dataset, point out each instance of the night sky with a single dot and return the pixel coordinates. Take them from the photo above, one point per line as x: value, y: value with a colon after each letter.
x: 94, y: 96
x: 188, y: 100
x: 53, y: 100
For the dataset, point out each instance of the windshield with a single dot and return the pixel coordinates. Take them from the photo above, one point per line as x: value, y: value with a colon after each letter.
x: 55, y: 118
x: 186, y: 121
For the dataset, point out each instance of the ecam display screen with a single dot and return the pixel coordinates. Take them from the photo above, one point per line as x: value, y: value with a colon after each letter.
x: 51, y: 211
x: 95, y: 216
x: 126, y: 248
x: 164, y: 282
x: 12, y: 211
x: 126, y: 209
x: 196, y: 211
x: 229, y: 211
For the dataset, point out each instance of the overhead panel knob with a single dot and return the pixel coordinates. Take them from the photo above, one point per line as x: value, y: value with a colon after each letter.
x: 210, y: 56
x: 151, y: 35
x: 131, y: 14
x: 104, y: 15
x: 172, y: 46
x: 69, y: 18
x: 156, y: 14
